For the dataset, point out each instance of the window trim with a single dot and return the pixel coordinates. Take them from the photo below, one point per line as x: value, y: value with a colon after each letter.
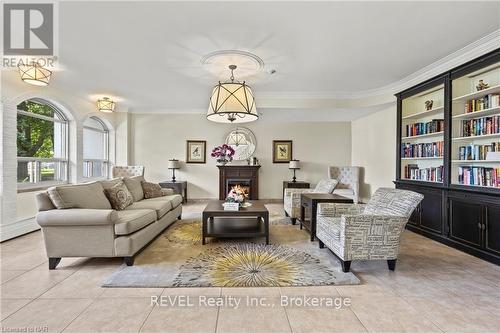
x: 105, y: 160
x: 61, y: 119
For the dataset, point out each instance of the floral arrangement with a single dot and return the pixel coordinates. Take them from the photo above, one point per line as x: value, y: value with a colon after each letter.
x: 237, y: 194
x: 224, y: 153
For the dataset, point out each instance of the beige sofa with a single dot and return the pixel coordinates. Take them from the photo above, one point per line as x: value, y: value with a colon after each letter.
x: 91, y: 228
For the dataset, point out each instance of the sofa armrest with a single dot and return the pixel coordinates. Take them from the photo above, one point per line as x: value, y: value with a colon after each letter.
x: 167, y: 191
x: 76, y: 217
x: 338, y: 209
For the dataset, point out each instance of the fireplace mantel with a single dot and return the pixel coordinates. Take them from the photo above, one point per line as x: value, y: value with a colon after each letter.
x: 228, y: 173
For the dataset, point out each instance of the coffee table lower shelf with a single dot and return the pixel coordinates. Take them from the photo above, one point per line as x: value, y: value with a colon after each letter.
x: 235, y: 227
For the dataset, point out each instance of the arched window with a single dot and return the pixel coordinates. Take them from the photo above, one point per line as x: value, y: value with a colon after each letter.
x: 95, y: 148
x: 42, y: 144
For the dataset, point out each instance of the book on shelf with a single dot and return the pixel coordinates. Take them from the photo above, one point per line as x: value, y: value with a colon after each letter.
x: 436, y: 125
x: 480, y: 176
x: 481, y: 126
x: 477, y: 152
x: 431, y: 149
x: 486, y: 102
x: 432, y: 174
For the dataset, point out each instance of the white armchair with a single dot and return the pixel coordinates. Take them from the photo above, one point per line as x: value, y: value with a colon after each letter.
x: 348, y: 178
x: 366, y: 232
x: 291, y: 199
x: 128, y: 171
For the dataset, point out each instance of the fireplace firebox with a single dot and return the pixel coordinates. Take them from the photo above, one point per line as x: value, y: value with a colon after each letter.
x: 244, y: 176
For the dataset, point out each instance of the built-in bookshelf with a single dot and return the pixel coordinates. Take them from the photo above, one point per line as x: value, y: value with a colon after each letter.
x: 475, y: 128
x: 454, y: 163
x: 422, y: 136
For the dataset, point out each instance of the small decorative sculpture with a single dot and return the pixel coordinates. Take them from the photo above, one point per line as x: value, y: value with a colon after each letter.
x: 481, y: 85
x: 428, y: 104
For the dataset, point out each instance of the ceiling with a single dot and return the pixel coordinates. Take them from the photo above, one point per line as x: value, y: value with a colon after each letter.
x: 147, y: 54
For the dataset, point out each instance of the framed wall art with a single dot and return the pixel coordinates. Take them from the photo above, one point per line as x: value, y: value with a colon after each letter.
x: 196, y: 151
x: 282, y: 151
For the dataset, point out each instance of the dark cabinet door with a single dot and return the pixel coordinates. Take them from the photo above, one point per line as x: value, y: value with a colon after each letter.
x: 465, y: 218
x: 492, y: 229
x: 431, y: 211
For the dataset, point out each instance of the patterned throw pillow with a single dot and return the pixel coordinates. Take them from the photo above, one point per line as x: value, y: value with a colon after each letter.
x: 119, y: 196
x: 151, y: 190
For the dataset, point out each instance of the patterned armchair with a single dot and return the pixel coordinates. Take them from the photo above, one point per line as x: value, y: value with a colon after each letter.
x: 128, y: 171
x: 366, y: 232
x: 291, y: 200
x: 348, y: 178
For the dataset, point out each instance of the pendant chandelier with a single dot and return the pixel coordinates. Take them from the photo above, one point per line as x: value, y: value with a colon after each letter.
x: 232, y: 102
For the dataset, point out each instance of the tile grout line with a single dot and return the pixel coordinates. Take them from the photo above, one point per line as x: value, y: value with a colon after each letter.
x: 79, y: 314
x: 149, y: 314
x: 426, y: 316
x: 218, y: 311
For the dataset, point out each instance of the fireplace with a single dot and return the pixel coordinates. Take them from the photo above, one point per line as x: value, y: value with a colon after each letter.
x: 245, y: 176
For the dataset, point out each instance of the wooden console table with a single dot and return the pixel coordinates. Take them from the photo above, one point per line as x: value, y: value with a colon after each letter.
x: 310, y: 202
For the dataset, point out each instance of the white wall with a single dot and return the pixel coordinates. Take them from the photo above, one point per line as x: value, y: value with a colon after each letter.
x: 374, y: 149
x: 158, y: 137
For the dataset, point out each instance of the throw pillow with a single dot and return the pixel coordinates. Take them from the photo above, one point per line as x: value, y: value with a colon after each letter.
x: 326, y: 186
x: 119, y: 196
x: 134, y: 186
x: 151, y: 190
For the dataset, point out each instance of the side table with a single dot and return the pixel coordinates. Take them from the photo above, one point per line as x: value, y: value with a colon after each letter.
x: 179, y: 187
x: 310, y: 202
x: 290, y: 184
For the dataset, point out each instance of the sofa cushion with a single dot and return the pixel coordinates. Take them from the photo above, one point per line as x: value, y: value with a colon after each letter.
x: 87, y: 195
x: 151, y: 190
x: 129, y: 221
x: 161, y: 207
x: 119, y: 196
x: 175, y: 199
x: 326, y: 186
x: 43, y: 202
x: 134, y: 186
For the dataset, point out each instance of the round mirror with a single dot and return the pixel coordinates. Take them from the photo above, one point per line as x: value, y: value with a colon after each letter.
x: 243, y: 141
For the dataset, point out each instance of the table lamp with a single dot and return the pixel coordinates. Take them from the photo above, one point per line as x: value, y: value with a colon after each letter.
x: 174, y: 164
x: 294, y: 165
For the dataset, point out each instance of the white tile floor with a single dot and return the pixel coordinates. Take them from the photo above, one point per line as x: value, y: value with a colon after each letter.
x: 434, y: 289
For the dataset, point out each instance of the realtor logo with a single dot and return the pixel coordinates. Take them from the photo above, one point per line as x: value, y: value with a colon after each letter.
x: 28, y: 29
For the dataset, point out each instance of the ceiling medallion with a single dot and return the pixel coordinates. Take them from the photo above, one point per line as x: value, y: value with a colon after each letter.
x: 248, y: 63
x: 232, y: 102
x: 34, y: 74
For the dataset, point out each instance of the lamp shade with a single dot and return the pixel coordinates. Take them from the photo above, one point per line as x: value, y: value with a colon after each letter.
x: 34, y: 74
x: 105, y: 105
x: 294, y: 164
x: 174, y: 164
x: 232, y: 102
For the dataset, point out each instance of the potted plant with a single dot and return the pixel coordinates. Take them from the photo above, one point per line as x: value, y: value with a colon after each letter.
x: 224, y: 154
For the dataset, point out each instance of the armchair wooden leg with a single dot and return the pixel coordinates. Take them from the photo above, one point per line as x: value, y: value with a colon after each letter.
x: 346, y: 265
x: 294, y: 220
x: 179, y: 217
x: 391, y: 264
x: 286, y: 214
x: 129, y: 261
x: 53, y: 262
x: 321, y: 245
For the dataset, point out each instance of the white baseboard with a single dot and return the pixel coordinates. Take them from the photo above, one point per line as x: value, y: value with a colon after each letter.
x: 18, y: 228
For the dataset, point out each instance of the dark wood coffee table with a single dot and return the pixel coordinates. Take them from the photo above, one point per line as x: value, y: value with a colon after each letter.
x: 251, y: 221
x: 310, y: 202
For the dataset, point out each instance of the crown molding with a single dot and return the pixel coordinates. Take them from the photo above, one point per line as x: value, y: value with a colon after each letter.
x: 470, y: 52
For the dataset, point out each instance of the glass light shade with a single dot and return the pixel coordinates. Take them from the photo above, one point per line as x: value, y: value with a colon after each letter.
x: 232, y: 102
x: 294, y: 164
x: 34, y: 74
x: 174, y: 164
x: 105, y: 105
